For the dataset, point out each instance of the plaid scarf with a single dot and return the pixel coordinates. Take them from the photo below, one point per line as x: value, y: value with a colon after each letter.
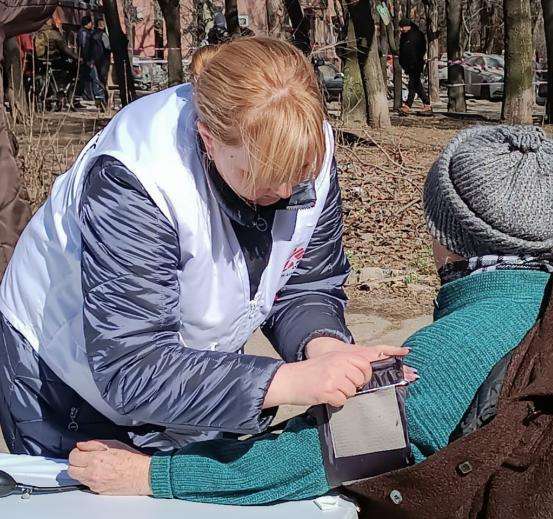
x: 459, y: 269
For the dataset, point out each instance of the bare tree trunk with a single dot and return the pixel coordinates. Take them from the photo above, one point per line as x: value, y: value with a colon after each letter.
x: 129, y: 12
x: 171, y: 14
x: 231, y: 15
x: 158, y: 31
x: 378, y: 115
x: 276, y: 13
x: 353, y: 96
x: 408, y: 8
x: 455, y: 74
x: 14, y: 74
x: 300, y: 25
x: 398, y: 73
x: 487, y: 18
x: 119, y: 46
x: 548, y: 24
x: 518, y: 100
x: 432, y: 26
x: 383, y: 50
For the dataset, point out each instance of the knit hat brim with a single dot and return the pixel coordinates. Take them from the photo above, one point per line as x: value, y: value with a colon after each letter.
x: 455, y: 225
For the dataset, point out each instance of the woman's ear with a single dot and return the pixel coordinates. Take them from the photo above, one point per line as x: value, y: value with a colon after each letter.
x: 442, y: 255
x: 207, y: 137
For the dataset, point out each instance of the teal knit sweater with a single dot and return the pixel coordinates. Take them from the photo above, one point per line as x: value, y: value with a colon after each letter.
x: 478, y: 319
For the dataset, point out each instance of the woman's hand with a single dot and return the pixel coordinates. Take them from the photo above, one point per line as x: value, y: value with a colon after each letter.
x: 110, y: 467
x: 327, y: 378
x: 322, y: 345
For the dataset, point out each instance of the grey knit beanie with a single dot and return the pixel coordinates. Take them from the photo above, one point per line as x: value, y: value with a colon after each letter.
x: 491, y: 192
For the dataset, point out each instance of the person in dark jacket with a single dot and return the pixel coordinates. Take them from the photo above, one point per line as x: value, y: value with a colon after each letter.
x: 101, y: 52
x: 90, y: 86
x: 412, y: 48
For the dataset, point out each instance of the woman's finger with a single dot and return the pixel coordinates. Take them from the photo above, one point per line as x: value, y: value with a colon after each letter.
x: 364, y: 364
x: 338, y: 399
x: 356, y: 376
x: 348, y: 388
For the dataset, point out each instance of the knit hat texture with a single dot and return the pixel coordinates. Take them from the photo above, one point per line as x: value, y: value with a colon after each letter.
x: 491, y: 192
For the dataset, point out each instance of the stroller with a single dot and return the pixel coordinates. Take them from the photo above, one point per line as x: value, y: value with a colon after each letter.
x: 51, y: 83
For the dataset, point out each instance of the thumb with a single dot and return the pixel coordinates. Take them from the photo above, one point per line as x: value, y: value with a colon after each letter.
x: 92, y: 445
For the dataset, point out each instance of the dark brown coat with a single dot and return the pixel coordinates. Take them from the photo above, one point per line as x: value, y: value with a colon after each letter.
x: 503, y: 470
x: 16, y: 17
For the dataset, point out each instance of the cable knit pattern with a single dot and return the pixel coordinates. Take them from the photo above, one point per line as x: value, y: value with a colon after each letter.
x: 491, y: 192
x: 478, y: 320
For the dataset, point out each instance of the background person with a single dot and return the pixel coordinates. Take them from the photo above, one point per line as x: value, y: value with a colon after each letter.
x: 101, y: 53
x: 412, y: 49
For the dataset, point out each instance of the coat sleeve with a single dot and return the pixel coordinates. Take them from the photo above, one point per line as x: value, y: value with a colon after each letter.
x: 313, y: 301
x: 130, y: 258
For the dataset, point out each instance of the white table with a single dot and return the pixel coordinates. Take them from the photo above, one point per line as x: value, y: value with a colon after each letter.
x: 83, y: 505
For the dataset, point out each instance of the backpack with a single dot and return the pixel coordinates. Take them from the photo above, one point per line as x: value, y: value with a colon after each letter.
x: 503, y: 469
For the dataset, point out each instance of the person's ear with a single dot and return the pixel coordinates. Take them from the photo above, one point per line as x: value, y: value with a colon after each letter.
x: 207, y: 138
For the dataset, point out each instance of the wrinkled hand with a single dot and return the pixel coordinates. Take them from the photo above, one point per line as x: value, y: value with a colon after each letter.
x: 323, y: 345
x: 328, y: 378
x: 110, y: 467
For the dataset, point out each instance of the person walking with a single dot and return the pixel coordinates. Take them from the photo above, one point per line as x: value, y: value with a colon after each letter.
x: 412, y: 48
x: 90, y: 86
x: 101, y: 53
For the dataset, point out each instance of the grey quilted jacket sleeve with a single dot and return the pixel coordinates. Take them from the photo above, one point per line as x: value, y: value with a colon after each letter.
x: 130, y: 258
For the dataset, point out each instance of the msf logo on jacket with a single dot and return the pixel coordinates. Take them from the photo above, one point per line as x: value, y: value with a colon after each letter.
x: 293, y: 260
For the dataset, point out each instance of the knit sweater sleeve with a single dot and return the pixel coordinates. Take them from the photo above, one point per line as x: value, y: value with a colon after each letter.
x: 288, y: 466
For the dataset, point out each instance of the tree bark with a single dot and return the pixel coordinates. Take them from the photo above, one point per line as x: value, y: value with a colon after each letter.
x: 518, y: 100
x: 408, y: 8
x: 119, y: 46
x: 275, y: 18
x: 231, y: 16
x: 487, y: 18
x: 398, y: 73
x: 353, y: 96
x: 376, y: 100
x: 158, y: 31
x: 300, y: 25
x: 129, y: 16
x: 171, y: 15
x: 548, y: 24
x: 14, y: 74
x: 383, y: 50
x: 432, y: 27
x: 455, y: 74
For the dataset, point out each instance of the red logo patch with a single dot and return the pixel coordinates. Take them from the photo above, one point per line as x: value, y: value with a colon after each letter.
x: 292, y: 263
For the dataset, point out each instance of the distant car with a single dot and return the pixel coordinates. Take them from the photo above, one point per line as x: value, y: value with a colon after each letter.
x: 484, y: 76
